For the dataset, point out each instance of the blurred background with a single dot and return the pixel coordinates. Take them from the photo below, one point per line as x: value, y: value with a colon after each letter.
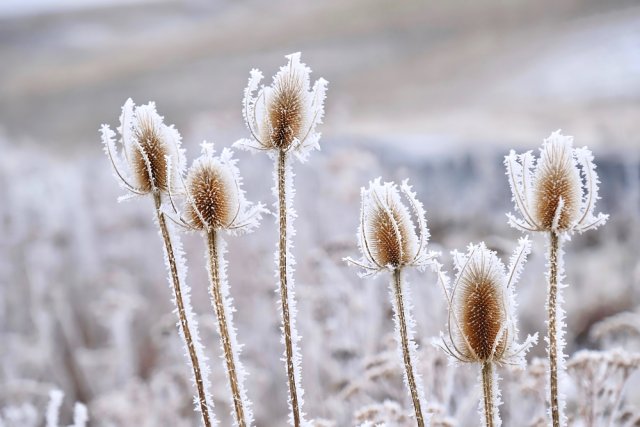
x: 437, y: 92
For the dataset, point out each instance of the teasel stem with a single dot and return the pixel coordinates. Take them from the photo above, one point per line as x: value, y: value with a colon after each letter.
x: 554, y: 243
x: 487, y: 391
x: 184, y: 324
x: 284, y: 289
x: 224, y: 324
x: 404, y: 341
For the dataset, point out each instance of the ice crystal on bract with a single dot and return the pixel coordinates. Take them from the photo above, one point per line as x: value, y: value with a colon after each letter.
x: 388, y: 237
x: 283, y: 116
x: 148, y: 147
x: 556, y: 192
x: 482, y: 323
x: 214, y: 198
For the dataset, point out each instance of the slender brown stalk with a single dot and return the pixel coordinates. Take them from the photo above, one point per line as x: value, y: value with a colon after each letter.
x: 404, y: 338
x: 184, y: 324
x: 219, y: 308
x: 553, y: 345
x: 284, y: 295
x: 487, y: 391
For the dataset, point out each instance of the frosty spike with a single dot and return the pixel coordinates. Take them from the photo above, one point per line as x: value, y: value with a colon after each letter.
x: 555, y: 195
x: 388, y: 240
x: 282, y: 120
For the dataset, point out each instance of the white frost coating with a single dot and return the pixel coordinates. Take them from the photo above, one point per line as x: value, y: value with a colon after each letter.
x: 291, y: 300
x: 256, y: 109
x: 413, y: 347
x: 227, y: 301
x: 80, y: 415
x: 577, y: 169
x: 497, y: 399
x: 191, y: 320
x: 560, y: 331
x: 53, y: 408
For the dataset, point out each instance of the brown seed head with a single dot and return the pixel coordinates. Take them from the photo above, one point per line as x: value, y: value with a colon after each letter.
x: 148, y: 162
x: 557, y: 177
x: 389, y: 231
x: 482, y: 314
x: 286, y: 111
x: 214, y: 193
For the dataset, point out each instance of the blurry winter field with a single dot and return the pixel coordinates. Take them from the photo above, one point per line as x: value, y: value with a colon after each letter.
x: 434, y: 93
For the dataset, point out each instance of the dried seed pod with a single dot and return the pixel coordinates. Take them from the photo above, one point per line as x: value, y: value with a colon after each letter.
x: 559, y: 192
x: 283, y: 117
x: 482, y: 320
x: 215, y: 199
x: 388, y: 236
x: 151, y: 150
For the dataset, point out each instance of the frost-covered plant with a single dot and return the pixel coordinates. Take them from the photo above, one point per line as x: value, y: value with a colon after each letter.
x: 389, y: 240
x: 601, y: 378
x: 556, y: 195
x: 282, y: 120
x: 482, y: 323
x: 215, y: 202
x: 52, y: 416
x: 148, y: 163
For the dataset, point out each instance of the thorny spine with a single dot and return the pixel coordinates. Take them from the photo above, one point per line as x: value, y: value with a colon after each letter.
x: 184, y: 324
x: 487, y: 391
x: 553, y: 346
x: 219, y: 308
x: 284, y: 295
x: 404, y: 338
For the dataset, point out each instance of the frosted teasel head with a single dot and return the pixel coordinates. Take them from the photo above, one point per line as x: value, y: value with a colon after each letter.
x: 482, y: 323
x: 213, y: 195
x: 150, y: 153
x: 283, y: 117
x: 390, y: 235
x: 556, y: 192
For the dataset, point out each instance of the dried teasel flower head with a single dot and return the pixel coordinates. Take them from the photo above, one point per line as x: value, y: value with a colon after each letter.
x: 558, y: 192
x: 283, y: 117
x: 151, y: 152
x: 388, y: 237
x: 214, y: 198
x: 482, y: 323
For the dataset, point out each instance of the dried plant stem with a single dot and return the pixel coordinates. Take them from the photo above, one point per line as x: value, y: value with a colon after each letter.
x: 553, y: 345
x: 487, y: 391
x: 284, y: 295
x: 223, y: 325
x: 404, y: 340
x: 184, y: 324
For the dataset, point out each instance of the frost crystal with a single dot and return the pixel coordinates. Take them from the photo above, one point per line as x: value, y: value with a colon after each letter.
x: 53, y: 409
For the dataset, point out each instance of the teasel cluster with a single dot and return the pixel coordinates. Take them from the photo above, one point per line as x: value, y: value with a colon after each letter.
x: 147, y: 163
x: 390, y: 240
x: 282, y: 120
x: 555, y: 195
x: 482, y: 323
x: 214, y: 202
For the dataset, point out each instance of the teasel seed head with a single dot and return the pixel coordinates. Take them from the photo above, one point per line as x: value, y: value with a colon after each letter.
x: 388, y: 236
x: 482, y: 324
x: 556, y: 192
x: 283, y: 117
x: 214, y: 198
x: 151, y: 154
